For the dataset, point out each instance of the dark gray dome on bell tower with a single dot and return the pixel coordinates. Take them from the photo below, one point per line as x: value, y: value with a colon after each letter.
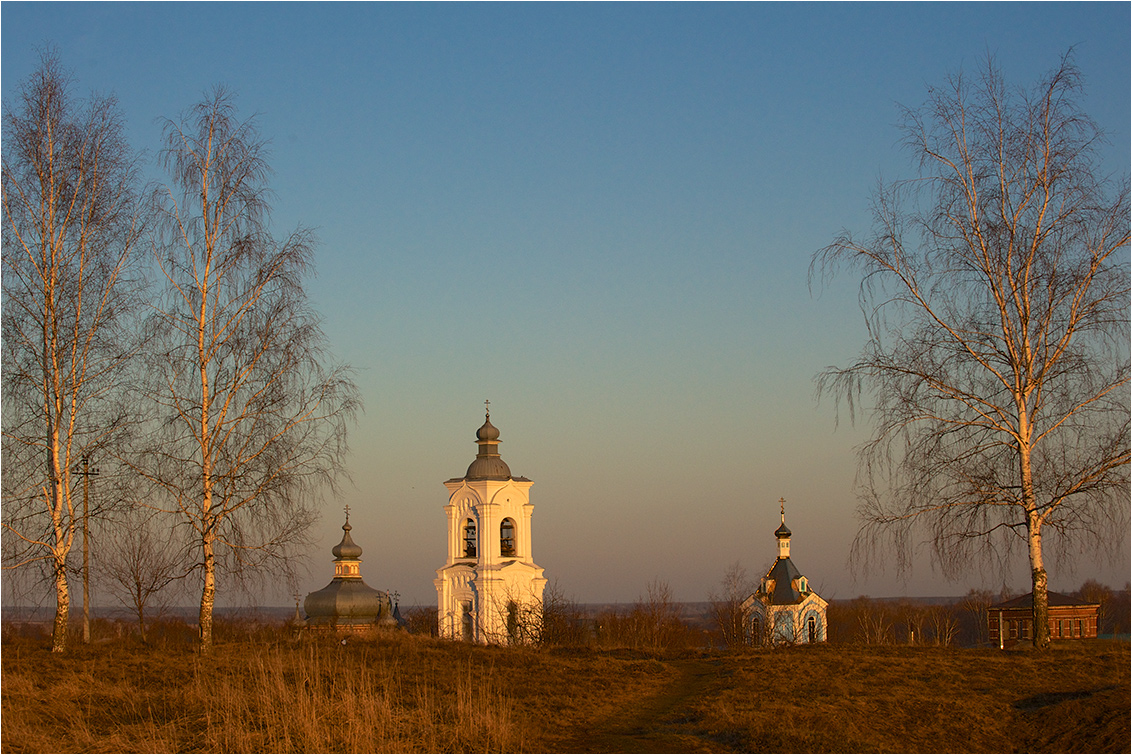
x: 488, y: 465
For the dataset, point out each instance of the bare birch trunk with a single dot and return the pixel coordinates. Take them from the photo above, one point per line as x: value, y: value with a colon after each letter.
x: 62, y: 609
x: 1038, y: 579
x: 207, y: 596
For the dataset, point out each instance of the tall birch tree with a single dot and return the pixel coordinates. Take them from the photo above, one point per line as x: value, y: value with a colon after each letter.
x: 995, y: 289
x: 69, y: 287
x: 251, y: 414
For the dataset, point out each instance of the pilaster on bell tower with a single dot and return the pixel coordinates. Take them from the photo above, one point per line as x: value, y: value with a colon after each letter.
x: 489, y: 574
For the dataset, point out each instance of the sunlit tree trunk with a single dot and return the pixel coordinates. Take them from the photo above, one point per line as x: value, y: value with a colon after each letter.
x: 208, y: 593
x: 70, y: 221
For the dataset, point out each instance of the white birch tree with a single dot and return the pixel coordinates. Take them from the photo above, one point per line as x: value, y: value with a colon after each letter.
x: 70, y: 287
x: 995, y: 288
x: 251, y: 413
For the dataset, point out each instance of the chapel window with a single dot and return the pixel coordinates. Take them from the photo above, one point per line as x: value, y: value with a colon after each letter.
x: 470, y: 539
x: 507, y: 538
x: 812, y: 627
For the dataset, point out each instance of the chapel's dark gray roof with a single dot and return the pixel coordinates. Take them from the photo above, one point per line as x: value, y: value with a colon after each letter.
x: 784, y: 573
x: 348, y: 599
x: 1054, y: 599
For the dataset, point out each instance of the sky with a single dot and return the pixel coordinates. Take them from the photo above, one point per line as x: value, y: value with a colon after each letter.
x: 601, y: 218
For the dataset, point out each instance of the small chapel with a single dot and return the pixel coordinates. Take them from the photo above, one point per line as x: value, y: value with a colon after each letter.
x: 783, y: 609
x: 489, y: 588
x: 348, y: 604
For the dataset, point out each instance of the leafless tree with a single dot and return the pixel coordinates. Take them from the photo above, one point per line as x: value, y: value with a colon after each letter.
x: 914, y: 616
x: 975, y: 603
x: 141, y: 559
x: 1092, y: 591
x: 996, y: 294
x: 874, y: 620
x: 70, y: 286
x: 727, y: 606
x: 564, y: 622
x: 660, y: 625
x: 251, y: 414
x: 944, y: 623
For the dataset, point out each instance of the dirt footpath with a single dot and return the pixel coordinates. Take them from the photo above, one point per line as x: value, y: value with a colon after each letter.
x: 658, y: 724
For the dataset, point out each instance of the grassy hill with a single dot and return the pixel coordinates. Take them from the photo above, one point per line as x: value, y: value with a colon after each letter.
x: 402, y: 693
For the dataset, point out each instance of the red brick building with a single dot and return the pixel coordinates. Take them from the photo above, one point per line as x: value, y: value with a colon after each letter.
x: 1011, y: 622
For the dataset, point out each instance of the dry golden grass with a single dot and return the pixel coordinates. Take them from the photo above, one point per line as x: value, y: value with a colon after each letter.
x: 830, y: 698
x: 388, y: 692
x: 397, y: 692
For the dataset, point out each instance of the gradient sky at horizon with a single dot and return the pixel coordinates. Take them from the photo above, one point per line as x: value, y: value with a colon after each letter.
x: 601, y: 218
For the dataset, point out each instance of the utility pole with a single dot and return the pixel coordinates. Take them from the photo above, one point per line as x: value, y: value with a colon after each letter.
x: 86, y: 473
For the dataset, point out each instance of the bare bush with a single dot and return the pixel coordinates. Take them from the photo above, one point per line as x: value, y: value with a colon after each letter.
x: 727, y: 606
x: 143, y: 557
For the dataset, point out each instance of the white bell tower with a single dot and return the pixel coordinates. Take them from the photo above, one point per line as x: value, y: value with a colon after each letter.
x: 489, y: 589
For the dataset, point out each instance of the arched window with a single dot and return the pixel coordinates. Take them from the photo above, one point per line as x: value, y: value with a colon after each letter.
x: 812, y: 628
x: 756, y: 630
x: 470, y: 539
x: 467, y: 621
x: 507, y: 538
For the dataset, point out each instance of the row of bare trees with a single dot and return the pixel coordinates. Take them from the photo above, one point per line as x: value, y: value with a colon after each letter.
x: 165, y: 333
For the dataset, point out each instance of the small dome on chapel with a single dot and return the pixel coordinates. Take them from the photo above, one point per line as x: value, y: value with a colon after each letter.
x: 347, y: 549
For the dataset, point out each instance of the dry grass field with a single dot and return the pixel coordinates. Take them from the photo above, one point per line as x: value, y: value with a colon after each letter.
x: 402, y: 693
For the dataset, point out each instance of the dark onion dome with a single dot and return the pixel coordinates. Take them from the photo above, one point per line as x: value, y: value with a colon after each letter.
x: 488, y: 465
x: 487, y: 430
x: 782, y: 532
x: 347, y: 550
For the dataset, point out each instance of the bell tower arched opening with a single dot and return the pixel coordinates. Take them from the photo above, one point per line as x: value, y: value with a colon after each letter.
x: 470, y: 539
x: 507, y: 545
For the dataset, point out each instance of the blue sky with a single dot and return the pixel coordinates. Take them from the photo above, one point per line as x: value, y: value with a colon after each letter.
x: 600, y: 217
